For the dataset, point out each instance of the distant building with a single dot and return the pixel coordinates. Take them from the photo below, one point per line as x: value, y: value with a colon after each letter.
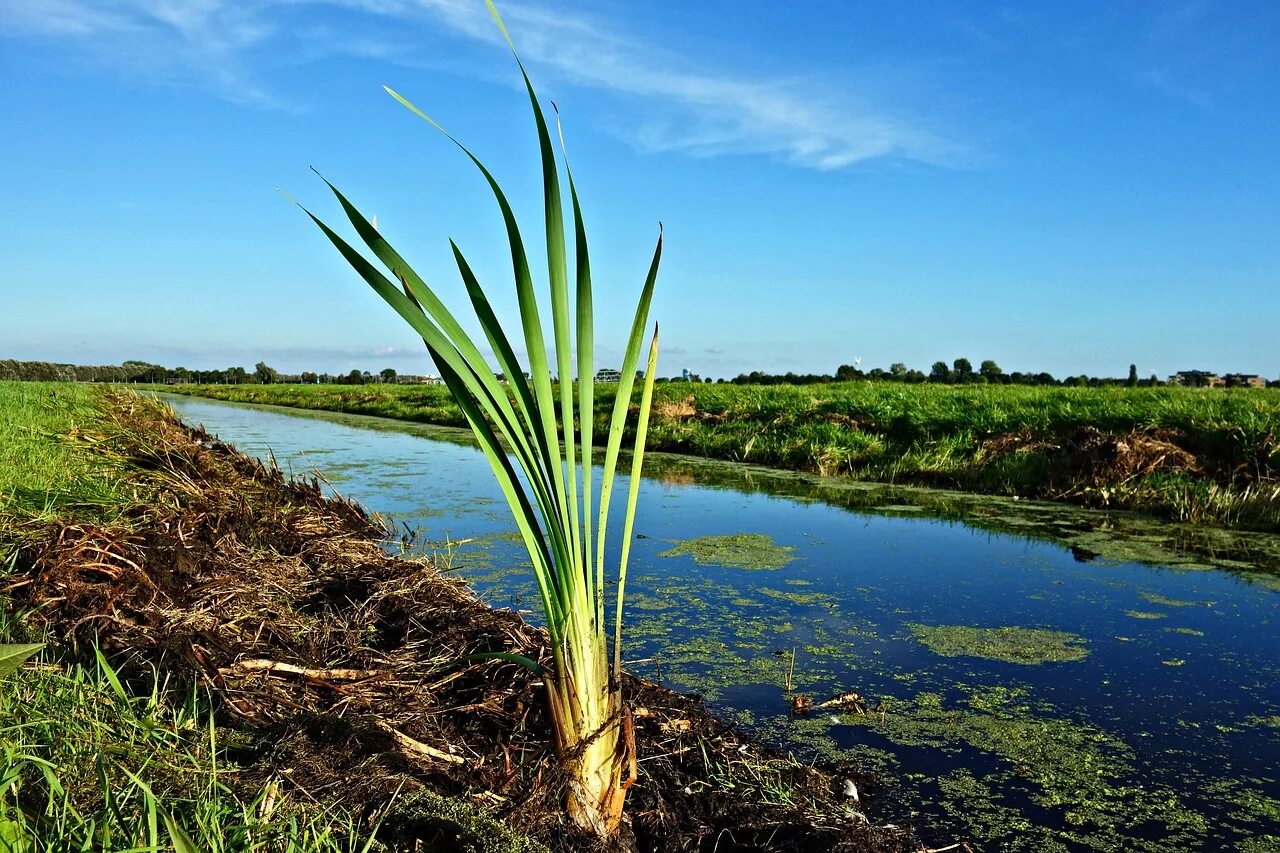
x: 1198, y: 379
x: 409, y: 379
x: 608, y: 374
x: 1244, y: 380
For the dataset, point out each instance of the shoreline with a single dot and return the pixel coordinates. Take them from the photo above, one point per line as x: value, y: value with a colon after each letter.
x: 1189, y: 472
x: 1118, y: 534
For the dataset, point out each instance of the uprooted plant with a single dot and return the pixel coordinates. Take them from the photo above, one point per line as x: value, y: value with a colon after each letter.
x: 548, y: 478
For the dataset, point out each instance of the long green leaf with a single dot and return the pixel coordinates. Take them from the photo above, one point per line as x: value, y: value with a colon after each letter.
x: 557, y: 273
x: 545, y: 574
x: 530, y: 319
x: 489, y: 393
x: 622, y: 402
x: 586, y: 389
x: 182, y: 842
x: 445, y: 355
x: 510, y: 365
x: 633, y: 493
x: 13, y: 656
x: 426, y: 298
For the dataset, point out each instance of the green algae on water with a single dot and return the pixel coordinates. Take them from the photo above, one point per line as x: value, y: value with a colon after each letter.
x: 1143, y: 614
x: 1009, y: 644
x: 1156, y: 598
x: 1269, y: 581
x: 801, y: 598
x: 736, y: 551
x: 1075, y: 769
x: 1272, y: 722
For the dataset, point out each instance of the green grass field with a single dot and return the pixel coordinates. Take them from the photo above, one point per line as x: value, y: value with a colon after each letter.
x: 1196, y: 455
x: 42, y: 471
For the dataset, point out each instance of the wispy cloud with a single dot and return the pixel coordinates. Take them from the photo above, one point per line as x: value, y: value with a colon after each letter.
x: 669, y: 102
x: 183, y: 42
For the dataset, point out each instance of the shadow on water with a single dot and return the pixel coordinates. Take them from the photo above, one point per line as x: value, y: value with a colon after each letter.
x: 1032, y: 676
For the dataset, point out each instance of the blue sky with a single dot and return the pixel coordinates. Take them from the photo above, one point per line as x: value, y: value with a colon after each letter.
x: 1063, y: 187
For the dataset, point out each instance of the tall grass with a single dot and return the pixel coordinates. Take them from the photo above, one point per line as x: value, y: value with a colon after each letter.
x: 42, y: 471
x: 84, y: 765
x: 548, y: 478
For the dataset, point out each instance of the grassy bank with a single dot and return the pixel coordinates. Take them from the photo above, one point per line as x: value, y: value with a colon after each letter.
x: 234, y: 658
x: 1207, y: 456
x: 88, y: 760
x: 42, y: 471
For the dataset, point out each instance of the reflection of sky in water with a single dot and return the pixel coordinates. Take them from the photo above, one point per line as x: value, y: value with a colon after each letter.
x: 1185, y: 705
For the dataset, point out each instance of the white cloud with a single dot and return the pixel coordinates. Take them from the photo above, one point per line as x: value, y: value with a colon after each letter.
x: 182, y: 42
x: 670, y: 103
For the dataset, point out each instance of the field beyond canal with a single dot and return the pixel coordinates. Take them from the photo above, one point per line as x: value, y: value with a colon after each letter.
x: 1204, y: 456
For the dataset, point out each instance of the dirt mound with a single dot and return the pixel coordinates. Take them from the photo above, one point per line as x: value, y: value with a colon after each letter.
x: 347, y: 667
x: 1109, y: 458
x: 1091, y: 458
x: 675, y: 410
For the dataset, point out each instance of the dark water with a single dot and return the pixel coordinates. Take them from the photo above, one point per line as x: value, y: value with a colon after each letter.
x: 1162, y: 734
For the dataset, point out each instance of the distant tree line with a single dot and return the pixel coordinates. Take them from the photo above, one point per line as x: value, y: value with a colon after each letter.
x: 959, y: 372
x: 140, y: 372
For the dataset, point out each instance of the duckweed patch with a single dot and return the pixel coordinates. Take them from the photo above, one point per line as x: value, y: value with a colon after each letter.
x: 1009, y: 644
x: 756, y: 551
x: 804, y: 598
x: 1190, y: 632
x: 1144, y: 614
x: 1076, y: 771
x: 1267, y: 580
x: 1156, y: 598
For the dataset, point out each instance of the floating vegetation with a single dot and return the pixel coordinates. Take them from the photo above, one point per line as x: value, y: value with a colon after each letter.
x: 1252, y: 805
x: 805, y: 598
x: 1268, y: 580
x: 1144, y: 614
x: 1076, y: 770
x: 736, y: 551
x: 1156, y: 598
x: 1173, y: 662
x: 1272, y: 721
x: 1010, y: 644
x: 1190, y: 632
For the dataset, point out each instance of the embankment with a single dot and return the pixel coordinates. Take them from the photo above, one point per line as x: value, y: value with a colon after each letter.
x: 1203, y: 456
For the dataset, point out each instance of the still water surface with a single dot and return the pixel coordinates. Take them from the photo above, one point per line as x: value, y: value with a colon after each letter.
x: 1154, y: 723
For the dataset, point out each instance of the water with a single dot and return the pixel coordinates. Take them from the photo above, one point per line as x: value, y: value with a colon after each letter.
x: 1156, y: 726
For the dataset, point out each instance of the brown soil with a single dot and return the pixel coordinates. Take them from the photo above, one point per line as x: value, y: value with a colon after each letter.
x: 675, y: 410
x: 1091, y: 457
x: 344, y: 666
